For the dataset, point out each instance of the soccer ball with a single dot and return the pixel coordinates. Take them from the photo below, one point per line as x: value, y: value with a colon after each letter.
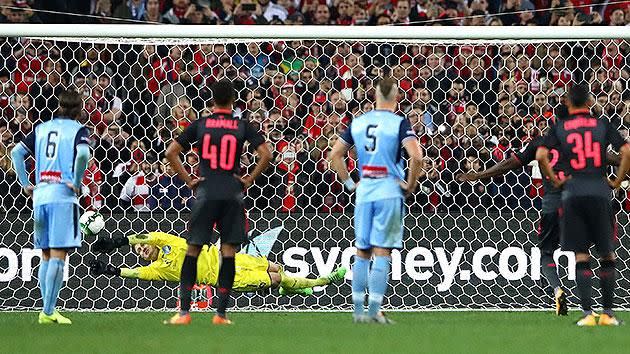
x: 91, y: 223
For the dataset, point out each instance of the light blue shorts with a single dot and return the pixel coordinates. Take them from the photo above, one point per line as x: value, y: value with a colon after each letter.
x: 379, y: 224
x: 57, y: 226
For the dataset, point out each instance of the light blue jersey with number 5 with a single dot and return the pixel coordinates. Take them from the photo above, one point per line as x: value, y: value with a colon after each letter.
x: 379, y: 136
x: 53, y: 144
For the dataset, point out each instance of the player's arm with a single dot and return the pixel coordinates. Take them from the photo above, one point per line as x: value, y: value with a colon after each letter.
x: 619, y: 144
x: 256, y: 140
x: 143, y: 273
x: 337, y: 158
x: 174, y: 151
x: 613, y: 159
x: 623, y: 168
x: 18, y: 158
x: 542, y: 156
x: 498, y: 169
x: 409, y: 141
x: 416, y: 163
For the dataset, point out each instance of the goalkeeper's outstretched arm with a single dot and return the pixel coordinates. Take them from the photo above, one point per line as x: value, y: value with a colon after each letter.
x: 101, y: 268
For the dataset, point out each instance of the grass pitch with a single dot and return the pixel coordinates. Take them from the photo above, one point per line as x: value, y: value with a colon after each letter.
x: 423, y: 332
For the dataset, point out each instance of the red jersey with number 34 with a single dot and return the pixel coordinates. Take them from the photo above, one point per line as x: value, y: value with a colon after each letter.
x: 219, y: 139
x: 582, y: 141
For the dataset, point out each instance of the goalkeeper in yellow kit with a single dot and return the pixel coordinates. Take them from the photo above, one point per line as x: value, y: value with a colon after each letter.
x: 166, y: 253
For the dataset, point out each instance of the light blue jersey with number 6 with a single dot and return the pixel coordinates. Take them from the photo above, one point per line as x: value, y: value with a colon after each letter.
x: 53, y: 144
x: 379, y: 136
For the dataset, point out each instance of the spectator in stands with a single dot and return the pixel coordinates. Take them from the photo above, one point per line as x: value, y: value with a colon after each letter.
x: 20, y: 12
x: 177, y: 13
x: 136, y: 189
x: 321, y: 15
x: 273, y: 11
x: 152, y: 12
x: 91, y: 196
x: 402, y: 12
x: 169, y: 193
x: 131, y: 10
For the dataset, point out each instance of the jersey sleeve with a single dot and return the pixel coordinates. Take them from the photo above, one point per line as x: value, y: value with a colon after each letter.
x: 29, y: 142
x: 157, y: 270
x: 82, y: 137
x: 253, y: 136
x: 346, y: 136
x: 405, y: 132
x: 614, y: 138
x: 189, y: 136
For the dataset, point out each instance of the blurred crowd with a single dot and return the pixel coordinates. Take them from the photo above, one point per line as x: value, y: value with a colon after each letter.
x: 470, y: 105
x: 323, y: 12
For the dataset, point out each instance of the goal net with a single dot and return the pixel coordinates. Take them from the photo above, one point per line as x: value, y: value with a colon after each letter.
x: 473, y: 103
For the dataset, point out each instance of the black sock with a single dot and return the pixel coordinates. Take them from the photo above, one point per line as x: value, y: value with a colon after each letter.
x: 607, y: 278
x: 584, y: 281
x: 549, y: 271
x: 226, y: 280
x: 187, y: 281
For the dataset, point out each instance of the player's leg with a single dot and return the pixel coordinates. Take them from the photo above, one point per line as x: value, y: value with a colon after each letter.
x: 386, y: 234
x: 575, y: 238
x: 232, y: 229
x: 200, y: 230
x: 549, y: 239
x: 605, y: 222
x: 360, y: 269
x: 62, y: 238
x: 41, y: 241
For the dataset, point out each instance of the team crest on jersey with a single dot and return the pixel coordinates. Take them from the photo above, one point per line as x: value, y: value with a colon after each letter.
x: 166, y: 249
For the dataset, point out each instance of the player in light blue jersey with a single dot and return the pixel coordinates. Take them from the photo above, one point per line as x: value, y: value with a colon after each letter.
x: 378, y: 137
x: 61, y: 151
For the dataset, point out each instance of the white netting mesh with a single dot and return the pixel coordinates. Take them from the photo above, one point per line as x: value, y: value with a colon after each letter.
x: 472, y: 104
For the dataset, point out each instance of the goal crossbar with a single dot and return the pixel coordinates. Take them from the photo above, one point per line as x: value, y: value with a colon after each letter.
x: 315, y: 32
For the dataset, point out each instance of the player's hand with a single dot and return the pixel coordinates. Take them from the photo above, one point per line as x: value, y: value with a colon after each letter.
x: 246, y: 181
x: 467, y: 177
x: 614, y: 184
x: 97, y: 267
x: 194, y: 183
x: 103, y: 245
x: 406, y: 188
x: 559, y: 183
x: 76, y: 190
x: 28, y: 190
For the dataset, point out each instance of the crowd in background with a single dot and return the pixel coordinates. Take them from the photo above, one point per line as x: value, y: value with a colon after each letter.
x: 323, y: 12
x: 470, y: 105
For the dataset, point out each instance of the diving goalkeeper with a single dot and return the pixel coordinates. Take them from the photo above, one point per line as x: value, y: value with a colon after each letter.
x: 166, y: 253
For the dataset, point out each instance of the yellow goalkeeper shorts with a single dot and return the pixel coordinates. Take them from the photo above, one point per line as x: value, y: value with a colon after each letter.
x: 251, y: 273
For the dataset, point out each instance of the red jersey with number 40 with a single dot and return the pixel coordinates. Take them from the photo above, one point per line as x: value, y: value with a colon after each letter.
x: 218, y: 140
x: 583, y: 141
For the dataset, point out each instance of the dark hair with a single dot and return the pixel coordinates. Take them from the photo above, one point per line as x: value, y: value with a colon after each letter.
x: 579, y: 95
x: 223, y: 93
x: 70, y: 104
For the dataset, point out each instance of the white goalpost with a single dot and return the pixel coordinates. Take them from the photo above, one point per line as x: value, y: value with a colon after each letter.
x: 474, y: 95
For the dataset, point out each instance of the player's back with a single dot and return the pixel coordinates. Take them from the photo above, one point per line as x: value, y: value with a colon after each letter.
x: 377, y: 137
x: 219, y: 140
x: 53, y: 147
x: 583, y: 141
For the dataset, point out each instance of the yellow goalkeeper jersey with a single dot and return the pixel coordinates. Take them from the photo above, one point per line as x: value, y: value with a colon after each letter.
x: 251, y: 272
x: 168, y: 265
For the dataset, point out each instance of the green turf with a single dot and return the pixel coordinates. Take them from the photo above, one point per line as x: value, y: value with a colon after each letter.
x: 424, y: 332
